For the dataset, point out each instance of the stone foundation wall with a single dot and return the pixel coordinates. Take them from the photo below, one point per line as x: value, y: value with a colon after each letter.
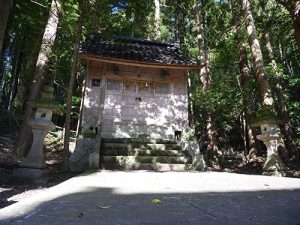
x: 135, y: 131
x: 79, y: 160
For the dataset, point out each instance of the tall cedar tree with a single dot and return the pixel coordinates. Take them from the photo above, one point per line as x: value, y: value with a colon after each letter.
x: 205, y: 78
x: 248, y: 100
x: 5, y: 7
x: 261, y: 75
x: 40, y: 77
x: 157, y: 20
x: 82, y: 5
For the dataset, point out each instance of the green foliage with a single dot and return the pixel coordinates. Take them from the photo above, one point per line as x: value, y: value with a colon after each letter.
x: 294, y: 113
x: 76, y: 100
x: 223, y: 101
x: 24, y: 32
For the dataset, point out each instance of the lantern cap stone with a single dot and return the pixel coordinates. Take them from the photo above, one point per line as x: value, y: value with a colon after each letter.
x: 47, y: 104
x: 265, y: 115
x: 46, y: 101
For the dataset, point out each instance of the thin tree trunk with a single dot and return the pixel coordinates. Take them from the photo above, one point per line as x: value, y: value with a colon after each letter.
x: 5, y: 7
x: 205, y: 78
x: 2, y: 86
x: 157, y: 20
x: 96, y: 8
x: 15, y: 82
x: 190, y: 105
x: 71, y: 84
x: 78, y: 129
x: 40, y: 75
x: 177, y: 30
x: 247, y: 95
x: 27, y: 73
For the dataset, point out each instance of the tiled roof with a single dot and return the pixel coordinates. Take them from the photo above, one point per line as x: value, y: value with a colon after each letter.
x: 135, y: 49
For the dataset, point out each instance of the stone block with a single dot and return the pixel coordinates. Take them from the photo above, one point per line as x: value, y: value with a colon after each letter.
x: 30, y: 174
x: 94, y: 160
x: 89, y: 142
x: 274, y: 166
x: 269, y: 128
x: 81, y: 159
x: 43, y: 114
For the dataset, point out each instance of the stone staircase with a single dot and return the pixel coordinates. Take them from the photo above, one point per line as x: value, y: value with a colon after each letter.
x: 144, y: 154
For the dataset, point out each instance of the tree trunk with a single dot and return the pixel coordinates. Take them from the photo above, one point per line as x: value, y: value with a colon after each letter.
x: 40, y: 75
x: 96, y: 8
x: 205, y: 78
x: 295, y: 14
x: 157, y: 20
x: 78, y: 129
x: 16, y: 74
x: 71, y: 84
x: 190, y: 103
x: 261, y: 75
x: 5, y: 7
x: 248, y: 101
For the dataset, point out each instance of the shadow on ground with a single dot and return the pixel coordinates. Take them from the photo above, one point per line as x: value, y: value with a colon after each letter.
x: 113, y: 206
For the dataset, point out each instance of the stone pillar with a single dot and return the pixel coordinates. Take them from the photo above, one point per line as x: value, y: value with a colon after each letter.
x: 271, y: 136
x: 35, y: 157
x: 33, y: 166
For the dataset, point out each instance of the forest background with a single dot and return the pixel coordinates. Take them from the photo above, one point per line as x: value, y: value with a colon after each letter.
x: 241, y: 81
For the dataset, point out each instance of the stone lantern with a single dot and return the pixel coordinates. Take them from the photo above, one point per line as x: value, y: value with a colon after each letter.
x: 268, y: 122
x: 271, y: 136
x: 33, y: 165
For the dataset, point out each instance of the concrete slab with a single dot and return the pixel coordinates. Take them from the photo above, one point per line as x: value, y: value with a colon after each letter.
x: 115, y: 198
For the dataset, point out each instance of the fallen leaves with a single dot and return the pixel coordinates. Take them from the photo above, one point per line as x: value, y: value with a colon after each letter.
x: 104, y: 207
x: 156, y: 201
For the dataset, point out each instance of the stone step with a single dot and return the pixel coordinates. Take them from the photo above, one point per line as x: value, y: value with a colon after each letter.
x: 151, y: 166
x: 140, y: 146
x: 139, y: 152
x: 143, y: 153
x: 128, y: 160
x: 138, y: 140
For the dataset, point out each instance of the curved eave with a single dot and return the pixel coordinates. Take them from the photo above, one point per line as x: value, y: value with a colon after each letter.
x: 85, y: 56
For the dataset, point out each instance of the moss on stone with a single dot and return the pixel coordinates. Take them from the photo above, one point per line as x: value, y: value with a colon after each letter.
x: 264, y: 115
x: 46, y: 95
x: 88, y: 135
x: 274, y: 163
x: 146, y: 159
x: 48, y: 89
x: 160, y: 159
x: 46, y: 104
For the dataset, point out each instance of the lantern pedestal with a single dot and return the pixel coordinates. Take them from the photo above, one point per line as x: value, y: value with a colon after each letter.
x: 270, y: 136
x: 33, y: 166
x: 35, y: 157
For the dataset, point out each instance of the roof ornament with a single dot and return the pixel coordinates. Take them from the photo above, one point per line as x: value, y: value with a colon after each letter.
x: 115, y: 69
x: 164, y: 73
